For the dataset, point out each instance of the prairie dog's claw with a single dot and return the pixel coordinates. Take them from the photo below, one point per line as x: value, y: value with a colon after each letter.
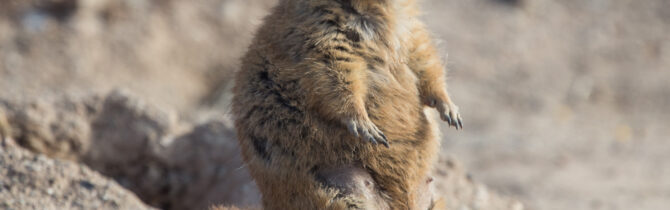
x: 368, y: 131
x: 448, y: 113
x: 385, y: 141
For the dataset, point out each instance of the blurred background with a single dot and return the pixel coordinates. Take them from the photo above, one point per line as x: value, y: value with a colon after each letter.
x: 565, y: 103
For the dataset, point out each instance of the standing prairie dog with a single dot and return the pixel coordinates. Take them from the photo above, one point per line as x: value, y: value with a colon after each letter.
x: 340, y: 83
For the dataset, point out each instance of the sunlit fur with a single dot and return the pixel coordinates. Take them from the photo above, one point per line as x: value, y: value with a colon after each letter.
x: 316, y: 65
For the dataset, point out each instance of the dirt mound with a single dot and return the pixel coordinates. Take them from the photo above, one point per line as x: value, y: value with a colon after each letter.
x: 167, y: 163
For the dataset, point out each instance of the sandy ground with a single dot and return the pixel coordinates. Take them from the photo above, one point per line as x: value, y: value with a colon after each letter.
x: 565, y: 102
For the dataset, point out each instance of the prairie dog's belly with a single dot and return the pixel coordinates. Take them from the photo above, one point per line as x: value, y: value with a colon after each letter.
x: 393, y: 100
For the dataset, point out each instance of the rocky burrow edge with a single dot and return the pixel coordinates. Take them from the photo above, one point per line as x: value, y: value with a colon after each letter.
x: 115, y: 151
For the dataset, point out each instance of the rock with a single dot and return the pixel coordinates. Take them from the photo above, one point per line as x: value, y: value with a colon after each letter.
x: 125, y: 144
x: 55, y: 128
x: 140, y: 146
x: 460, y: 191
x: 5, y: 129
x: 208, y: 157
x: 125, y: 124
x: 32, y: 181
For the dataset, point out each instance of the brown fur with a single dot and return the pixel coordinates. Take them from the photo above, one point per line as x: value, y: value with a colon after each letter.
x: 353, y: 183
x: 325, y: 81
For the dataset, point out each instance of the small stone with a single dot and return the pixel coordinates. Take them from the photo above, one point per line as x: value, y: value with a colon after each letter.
x: 86, y: 184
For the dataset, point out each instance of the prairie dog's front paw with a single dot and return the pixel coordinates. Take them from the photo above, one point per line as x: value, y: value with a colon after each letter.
x: 448, y: 112
x: 366, y: 130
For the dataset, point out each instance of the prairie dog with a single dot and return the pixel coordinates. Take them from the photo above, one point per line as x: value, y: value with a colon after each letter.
x: 333, y: 83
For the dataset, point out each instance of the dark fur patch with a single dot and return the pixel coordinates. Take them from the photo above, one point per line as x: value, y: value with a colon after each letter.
x: 342, y: 48
x: 379, y: 60
x: 352, y: 35
x: 343, y: 59
x: 347, y: 7
x: 274, y: 90
x: 329, y: 23
x: 260, y: 145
